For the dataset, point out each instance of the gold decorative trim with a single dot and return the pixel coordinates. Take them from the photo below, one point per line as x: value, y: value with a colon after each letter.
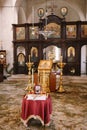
x: 35, y: 117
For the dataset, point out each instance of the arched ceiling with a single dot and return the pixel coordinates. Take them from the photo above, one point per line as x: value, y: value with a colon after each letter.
x: 76, y: 8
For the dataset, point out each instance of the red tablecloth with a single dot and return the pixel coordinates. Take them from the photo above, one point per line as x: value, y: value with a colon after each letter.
x: 40, y: 109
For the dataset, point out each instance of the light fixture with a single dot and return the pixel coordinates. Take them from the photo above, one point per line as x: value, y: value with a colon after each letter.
x: 33, y: 28
x: 46, y: 33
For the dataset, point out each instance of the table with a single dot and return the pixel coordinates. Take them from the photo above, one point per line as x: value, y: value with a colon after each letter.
x: 37, y: 109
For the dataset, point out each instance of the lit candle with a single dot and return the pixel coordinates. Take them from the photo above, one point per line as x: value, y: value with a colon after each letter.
x: 29, y: 58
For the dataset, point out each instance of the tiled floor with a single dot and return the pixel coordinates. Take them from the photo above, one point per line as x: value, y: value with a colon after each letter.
x: 69, y: 108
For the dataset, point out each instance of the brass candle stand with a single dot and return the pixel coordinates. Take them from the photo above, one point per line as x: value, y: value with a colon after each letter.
x: 60, y: 88
x: 30, y: 83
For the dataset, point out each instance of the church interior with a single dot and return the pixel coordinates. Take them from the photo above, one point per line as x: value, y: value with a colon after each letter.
x: 43, y: 65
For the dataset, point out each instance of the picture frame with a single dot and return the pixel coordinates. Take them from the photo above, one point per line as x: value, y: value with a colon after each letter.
x: 71, y: 31
x: 64, y: 11
x: 45, y: 65
x: 37, y: 89
x: 71, y: 54
x: 84, y: 31
x: 55, y: 28
x: 40, y: 12
x: 3, y: 57
x: 33, y: 32
x: 20, y: 33
x: 34, y: 54
x: 21, y: 59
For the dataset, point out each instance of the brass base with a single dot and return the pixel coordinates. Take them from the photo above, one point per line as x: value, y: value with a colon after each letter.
x: 61, y: 89
x: 30, y: 87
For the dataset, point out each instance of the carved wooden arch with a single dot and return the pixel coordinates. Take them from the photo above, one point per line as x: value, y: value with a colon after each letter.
x: 71, y: 54
x: 21, y: 59
x: 53, y: 19
x: 53, y: 24
x: 52, y: 52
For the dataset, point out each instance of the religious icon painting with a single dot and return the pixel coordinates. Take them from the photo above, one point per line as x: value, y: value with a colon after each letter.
x: 34, y: 54
x: 84, y: 31
x: 21, y: 59
x: 71, y: 31
x: 20, y: 33
x: 37, y: 89
x: 33, y: 32
x: 3, y: 57
x: 71, y: 54
x: 40, y: 12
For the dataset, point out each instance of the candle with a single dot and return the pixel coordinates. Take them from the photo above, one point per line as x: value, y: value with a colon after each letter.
x: 61, y: 58
x: 29, y: 58
x: 32, y: 76
x: 43, y: 76
x: 33, y: 15
x: 38, y: 76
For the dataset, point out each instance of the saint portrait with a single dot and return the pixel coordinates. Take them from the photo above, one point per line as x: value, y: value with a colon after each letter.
x: 40, y: 12
x: 71, y: 54
x: 34, y: 54
x: 21, y: 59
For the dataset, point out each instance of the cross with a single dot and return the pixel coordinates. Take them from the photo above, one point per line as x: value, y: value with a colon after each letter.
x: 52, y: 6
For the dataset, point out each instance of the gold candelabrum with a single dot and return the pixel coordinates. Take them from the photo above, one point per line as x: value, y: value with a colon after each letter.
x: 30, y: 86
x: 61, y: 65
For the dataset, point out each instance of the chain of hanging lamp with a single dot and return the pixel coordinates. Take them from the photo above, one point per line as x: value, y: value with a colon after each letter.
x: 46, y: 33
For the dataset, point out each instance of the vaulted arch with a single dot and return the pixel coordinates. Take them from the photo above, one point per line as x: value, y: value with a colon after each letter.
x: 76, y: 10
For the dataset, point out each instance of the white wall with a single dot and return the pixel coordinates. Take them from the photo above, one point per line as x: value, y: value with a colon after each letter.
x: 86, y: 9
x: 7, y: 18
x: 83, y: 59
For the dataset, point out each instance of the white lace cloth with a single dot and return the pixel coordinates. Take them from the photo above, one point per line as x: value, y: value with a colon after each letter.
x: 36, y: 97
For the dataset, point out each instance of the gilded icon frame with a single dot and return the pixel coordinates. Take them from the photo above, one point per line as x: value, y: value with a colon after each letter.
x: 20, y: 33
x: 71, y: 31
x: 84, y: 31
x: 71, y: 54
x: 45, y: 65
x: 3, y: 57
x: 37, y: 89
x: 40, y: 12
